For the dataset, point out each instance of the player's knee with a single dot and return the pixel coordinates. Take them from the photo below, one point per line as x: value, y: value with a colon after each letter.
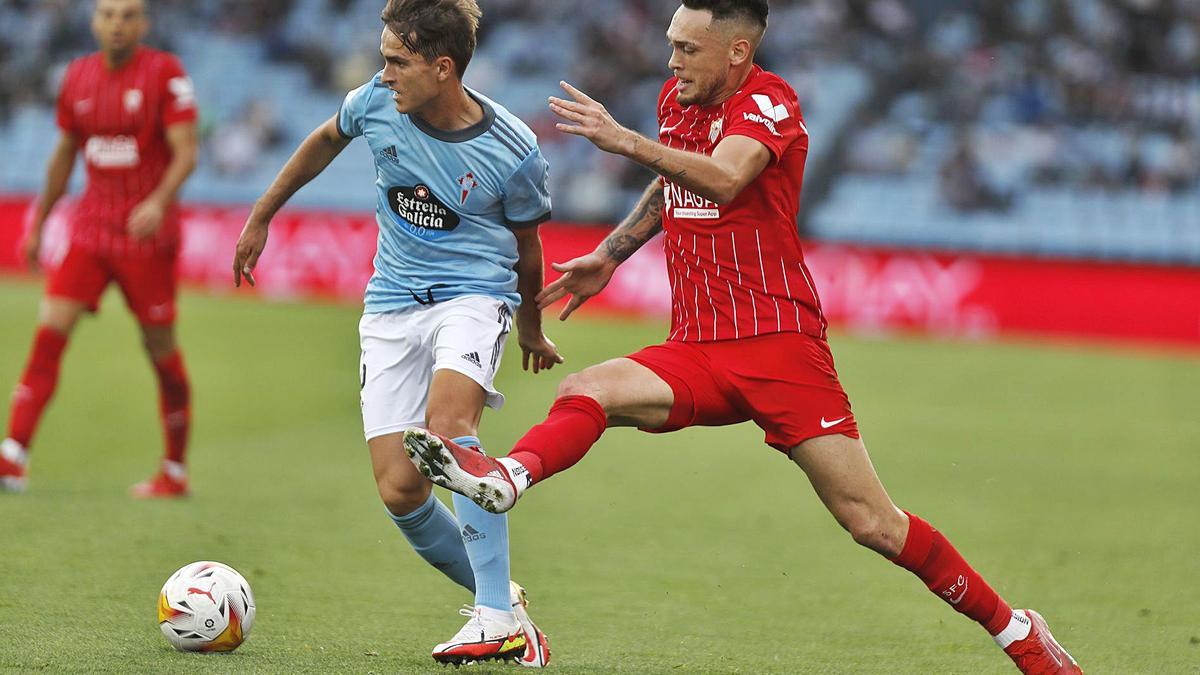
x: 878, y: 531
x: 580, y: 384
x: 450, y: 424
x: 402, y: 497
x: 158, y: 341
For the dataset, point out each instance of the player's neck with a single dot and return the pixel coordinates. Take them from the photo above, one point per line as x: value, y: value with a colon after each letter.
x: 736, y: 80
x: 115, y: 60
x: 453, y: 111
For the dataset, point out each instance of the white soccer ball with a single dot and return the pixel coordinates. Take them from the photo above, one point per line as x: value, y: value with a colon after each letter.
x: 206, y: 607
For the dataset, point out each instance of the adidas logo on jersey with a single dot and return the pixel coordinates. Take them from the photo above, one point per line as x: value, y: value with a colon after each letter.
x: 471, y: 534
x: 389, y: 153
x: 473, y: 358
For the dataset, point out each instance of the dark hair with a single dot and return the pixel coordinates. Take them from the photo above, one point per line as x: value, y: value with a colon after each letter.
x: 434, y: 28
x: 754, y: 11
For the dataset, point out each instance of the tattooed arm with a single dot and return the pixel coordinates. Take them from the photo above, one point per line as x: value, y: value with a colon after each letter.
x: 587, y: 275
x: 639, y: 226
x: 721, y: 177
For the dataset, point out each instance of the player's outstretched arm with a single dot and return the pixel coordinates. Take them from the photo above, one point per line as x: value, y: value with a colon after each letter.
x: 147, y: 217
x: 536, y: 349
x: 587, y: 275
x: 309, y: 160
x: 735, y: 162
x: 58, y: 176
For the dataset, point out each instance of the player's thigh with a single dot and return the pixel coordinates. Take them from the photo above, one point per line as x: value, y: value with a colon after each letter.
x: 468, y: 338
x: 844, y: 478
x: 74, y: 287
x: 631, y: 394
x: 400, y: 485
x: 395, y: 370
x: 149, y: 282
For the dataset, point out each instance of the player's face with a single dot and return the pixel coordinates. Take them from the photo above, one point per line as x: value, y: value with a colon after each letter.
x: 119, y: 25
x: 699, y: 56
x: 414, y: 81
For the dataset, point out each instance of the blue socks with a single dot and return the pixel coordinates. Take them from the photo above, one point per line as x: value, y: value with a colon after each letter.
x: 433, y: 532
x: 485, y: 536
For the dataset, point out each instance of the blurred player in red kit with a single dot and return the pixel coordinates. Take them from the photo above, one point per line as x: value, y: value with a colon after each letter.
x: 747, y: 338
x: 131, y: 111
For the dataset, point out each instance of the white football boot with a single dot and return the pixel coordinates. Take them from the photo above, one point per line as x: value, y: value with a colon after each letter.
x: 537, y: 648
x: 489, y: 635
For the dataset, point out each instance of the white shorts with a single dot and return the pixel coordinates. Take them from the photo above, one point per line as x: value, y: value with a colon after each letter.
x: 402, y: 349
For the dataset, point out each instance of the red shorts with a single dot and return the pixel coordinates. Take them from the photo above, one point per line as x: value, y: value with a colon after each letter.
x: 148, y: 282
x: 784, y: 382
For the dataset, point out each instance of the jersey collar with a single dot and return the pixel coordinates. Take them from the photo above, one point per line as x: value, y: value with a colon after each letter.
x: 460, y: 135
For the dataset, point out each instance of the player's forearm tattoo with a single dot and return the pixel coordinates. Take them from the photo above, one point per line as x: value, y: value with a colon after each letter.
x: 655, y: 164
x: 639, y: 228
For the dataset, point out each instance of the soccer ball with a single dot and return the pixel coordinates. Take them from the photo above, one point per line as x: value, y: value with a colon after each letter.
x: 206, y: 607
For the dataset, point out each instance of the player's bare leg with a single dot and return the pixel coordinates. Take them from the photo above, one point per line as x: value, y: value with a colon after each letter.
x: 841, y: 472
x: 174, y: 397
x: 618, y: 392
x: 57, y: 318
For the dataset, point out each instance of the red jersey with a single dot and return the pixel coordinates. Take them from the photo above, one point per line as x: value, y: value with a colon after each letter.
x: 736, y: 270
x: 119, y: 118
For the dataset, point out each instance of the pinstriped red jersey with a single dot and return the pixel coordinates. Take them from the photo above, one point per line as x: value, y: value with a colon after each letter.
x: 737, y: 270
x: 119, y: 119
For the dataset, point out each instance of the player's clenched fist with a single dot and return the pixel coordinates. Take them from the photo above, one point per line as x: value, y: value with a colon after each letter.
x: 250, y: 245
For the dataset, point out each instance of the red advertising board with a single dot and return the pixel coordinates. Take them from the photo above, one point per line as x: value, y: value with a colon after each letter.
x: 328, y: 254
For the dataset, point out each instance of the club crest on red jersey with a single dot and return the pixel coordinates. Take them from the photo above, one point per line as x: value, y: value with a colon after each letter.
x: 715, y: 129
x: 133, y: 100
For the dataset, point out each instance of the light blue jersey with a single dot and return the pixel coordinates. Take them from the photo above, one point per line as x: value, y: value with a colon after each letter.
x: 448, y: 200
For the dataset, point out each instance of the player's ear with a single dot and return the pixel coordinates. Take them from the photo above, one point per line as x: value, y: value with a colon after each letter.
x: 445, y: 68
x: 740, y: 51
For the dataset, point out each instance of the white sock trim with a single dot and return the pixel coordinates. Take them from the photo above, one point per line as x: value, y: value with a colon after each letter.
x: 14, y: 452
x: 176, y: 470
x: 1018, y: 629
x: 519, y: 474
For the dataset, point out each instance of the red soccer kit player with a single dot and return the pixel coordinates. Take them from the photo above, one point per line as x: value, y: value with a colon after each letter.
x: 131, y: 111
x: 747, y: 338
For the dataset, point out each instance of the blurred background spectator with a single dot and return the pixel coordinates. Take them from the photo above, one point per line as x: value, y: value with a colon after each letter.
x: 1064, y: 127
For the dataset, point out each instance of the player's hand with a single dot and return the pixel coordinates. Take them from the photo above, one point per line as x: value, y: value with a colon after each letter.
x: 249, y: 247
x: 591, y: 120
x: 581, y: 278
x: 538, y: 351
x: 145, y: 219
x: 31, y: 249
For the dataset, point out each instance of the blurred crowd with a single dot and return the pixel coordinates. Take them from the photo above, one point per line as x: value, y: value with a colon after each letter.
x: 986, y: 97
x: 1092, y: 94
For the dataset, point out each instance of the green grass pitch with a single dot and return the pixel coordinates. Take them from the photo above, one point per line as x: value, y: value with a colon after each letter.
x: 1068, y: 476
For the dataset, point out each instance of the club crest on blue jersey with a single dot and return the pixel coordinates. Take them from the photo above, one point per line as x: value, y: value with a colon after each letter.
x: 420, y: 213
x: 468, y: 183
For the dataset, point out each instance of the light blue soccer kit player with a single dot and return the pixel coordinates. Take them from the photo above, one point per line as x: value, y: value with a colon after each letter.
x: 451, y: 208
x: 458, y: 253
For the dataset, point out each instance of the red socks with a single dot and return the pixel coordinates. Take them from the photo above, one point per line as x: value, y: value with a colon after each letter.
x: 37, y: 384
x: 174, y: 399
x: 931, y: 557
x: 574, y: 424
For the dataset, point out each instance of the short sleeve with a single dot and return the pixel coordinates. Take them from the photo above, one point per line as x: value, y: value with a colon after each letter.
x: 354, y: 111
x: 179, y: 94
x: 527, y: 192
x: 770, y: 114
x: 65, y: 115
